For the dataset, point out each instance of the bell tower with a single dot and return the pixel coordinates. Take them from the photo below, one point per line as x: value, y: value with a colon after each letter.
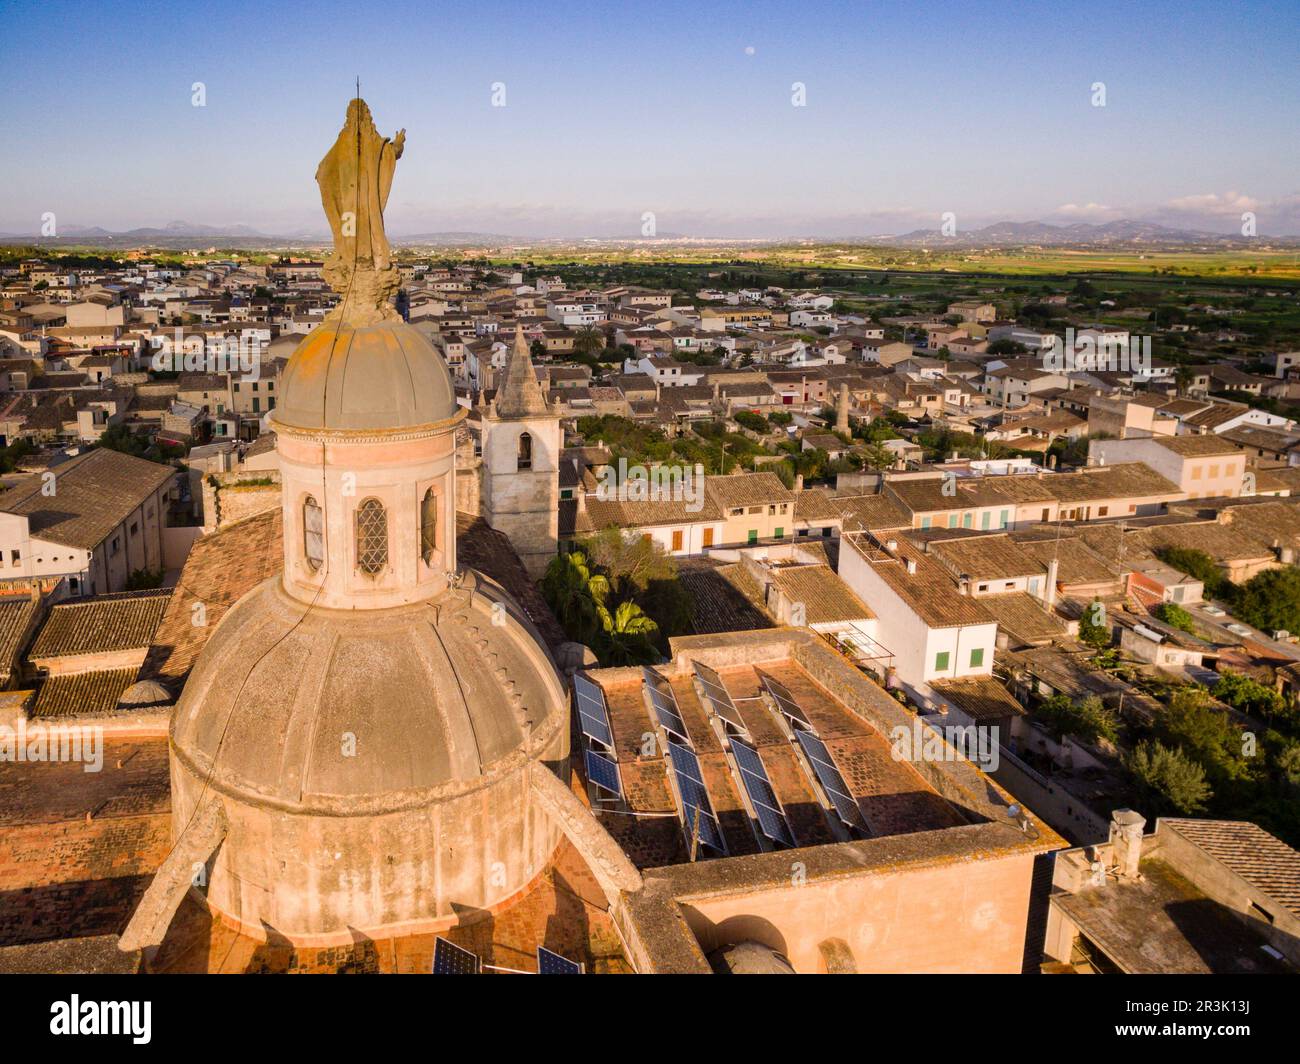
x: 521, y: 463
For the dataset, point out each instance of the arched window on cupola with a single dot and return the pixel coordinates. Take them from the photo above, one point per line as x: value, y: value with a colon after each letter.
x: 372, y: 537
x: 313, y: 533
x: 428, y: 526
x: 525, y: 451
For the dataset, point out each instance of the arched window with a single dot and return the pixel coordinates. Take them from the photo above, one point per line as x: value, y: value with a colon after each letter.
x: 372, y: 537
x: 428, y: 526
x: 313, y: 533
x: 525, y: 451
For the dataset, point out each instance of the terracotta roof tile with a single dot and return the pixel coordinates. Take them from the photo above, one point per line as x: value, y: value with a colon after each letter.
x: 101, y: 625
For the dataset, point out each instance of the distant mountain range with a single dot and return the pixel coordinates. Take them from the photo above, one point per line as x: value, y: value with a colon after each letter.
x: 1045, y: 234
x: 1119, y: 234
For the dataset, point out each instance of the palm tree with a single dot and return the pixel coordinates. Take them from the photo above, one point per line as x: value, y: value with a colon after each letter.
x: 628, y: 635
x: 575, y: 594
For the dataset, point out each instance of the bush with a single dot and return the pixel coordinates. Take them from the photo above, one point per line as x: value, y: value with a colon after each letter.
x: 1271, y: 600
x: 1175, y: 616
x: 1087, y: 719
x: 1094, y: 628
x: 1199, y: 565
x: 1167, y: 780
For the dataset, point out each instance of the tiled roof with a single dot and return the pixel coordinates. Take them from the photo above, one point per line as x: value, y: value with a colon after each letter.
x: 1130, y: 480
x: 220, y: 569
x: 826, y: 598
x: 82, y: 693
x: 1076, y: 562
x: 1196, y: 446
x: 718, y: 605
x: 987, y: 557
x: 15, y: 617
x: 876, y: 513
x: 93, y: 494
x: 930, y: 591
x: 981, y: 698
x: 1248, y: 850
x: 101, y: 625
x: 747, y: 489
x: 1022, y: 617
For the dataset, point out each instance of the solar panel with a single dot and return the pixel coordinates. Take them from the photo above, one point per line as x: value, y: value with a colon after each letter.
x: 696, y: 807
x: 450, y: 959
x: 786, y: 704
x: 665, y: 706
x: 604, y: 773
x: 767, y: 807
x: 591, y: 711
x: 831, y: 780
x: 549, y: 963
x: 716, y: 692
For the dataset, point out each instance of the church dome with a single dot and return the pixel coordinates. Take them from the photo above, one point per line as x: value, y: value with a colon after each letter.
x: 381, y: 376
x: 390, y: 709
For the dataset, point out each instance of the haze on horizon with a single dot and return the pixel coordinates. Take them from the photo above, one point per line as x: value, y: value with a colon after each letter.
x: 685, y: 111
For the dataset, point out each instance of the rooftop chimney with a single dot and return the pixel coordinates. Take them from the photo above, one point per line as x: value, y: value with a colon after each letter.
x: 1126, y: 841
x: 910, y: 563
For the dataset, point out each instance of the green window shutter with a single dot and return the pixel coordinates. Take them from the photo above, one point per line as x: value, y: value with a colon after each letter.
x: 977, y: 657
x: 941, y: 661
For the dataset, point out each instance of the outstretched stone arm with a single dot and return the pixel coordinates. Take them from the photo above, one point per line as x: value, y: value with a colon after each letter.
x: 154, y: 913
x: 608, y: 863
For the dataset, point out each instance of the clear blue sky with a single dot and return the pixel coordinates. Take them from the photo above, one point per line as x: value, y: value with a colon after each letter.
x: 613, y: 109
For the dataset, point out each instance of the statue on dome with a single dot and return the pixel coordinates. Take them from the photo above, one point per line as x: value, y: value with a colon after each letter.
x: 355, y: 178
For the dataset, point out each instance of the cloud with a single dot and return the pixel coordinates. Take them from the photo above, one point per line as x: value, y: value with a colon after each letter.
x: 1087, y: 211
x: 1213, y: 203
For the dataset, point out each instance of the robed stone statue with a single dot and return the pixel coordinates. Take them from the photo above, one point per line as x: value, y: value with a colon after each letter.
x: 354, y: 178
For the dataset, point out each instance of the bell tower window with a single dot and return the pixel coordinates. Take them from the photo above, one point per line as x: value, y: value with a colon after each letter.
x: 428, y: 526
x: 525, y: 451
x: 313, y: 533
x: 372, y: 537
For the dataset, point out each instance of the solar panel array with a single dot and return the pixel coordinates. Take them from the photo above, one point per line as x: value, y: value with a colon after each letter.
x: 450, y: 959
x: 716, y: 692
x: 591, y: 711
x: 786, y: 704
x: 665, y: 706
x: 697, y: 809
x: 603, y: 772
x: 831, y: 780
x: 549, y: 963
x: 767, y: 807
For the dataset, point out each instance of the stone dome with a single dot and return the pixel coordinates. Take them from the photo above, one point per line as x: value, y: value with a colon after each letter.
x: 433, y: 699
x: 147, y: 694
x: 357, y: 378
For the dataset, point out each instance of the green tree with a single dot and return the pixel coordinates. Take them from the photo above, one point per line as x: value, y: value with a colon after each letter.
x: 1200, y: 566
x: 627, y: 635
x: 1205, y: 734
x: 1087, y: 719
x: 573, y: 592
x: 1167, y: 780
x: 1175, y: 616
x: 1271, y: 600
x: 1094, y: 628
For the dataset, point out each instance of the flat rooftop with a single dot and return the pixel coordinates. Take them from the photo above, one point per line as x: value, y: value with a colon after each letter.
x: 890, y: 794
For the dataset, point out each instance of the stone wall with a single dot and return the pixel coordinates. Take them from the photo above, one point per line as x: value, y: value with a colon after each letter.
x: 231, y: 497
